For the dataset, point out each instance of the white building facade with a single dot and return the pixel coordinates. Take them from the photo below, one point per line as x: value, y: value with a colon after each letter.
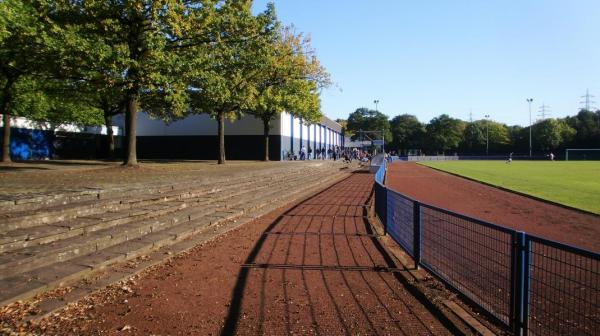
x: 195, y: 137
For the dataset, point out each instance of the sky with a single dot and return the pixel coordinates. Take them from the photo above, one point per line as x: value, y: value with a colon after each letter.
x: 455, y: 57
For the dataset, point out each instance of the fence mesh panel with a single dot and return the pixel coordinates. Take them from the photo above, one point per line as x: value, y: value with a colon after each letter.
x: 380, y: 204
x: 400, y: 220
x: 564, y: 290
x: 561, y: 283
x: 380, y: 174
x: 474, y: 258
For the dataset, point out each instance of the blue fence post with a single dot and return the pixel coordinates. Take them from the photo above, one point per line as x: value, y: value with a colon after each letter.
x: 519, y: 298
x: 385, y: 211
x: 417, y: 233
x: 516, y: 281
x: 526, y: 276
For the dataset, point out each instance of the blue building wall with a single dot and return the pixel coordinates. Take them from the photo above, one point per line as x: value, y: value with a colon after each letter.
x: 27, y: 144
x: 32, y: 144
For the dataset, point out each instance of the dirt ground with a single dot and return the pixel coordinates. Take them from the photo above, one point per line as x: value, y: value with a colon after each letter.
x: 315, y: 268
x: 494, y: 205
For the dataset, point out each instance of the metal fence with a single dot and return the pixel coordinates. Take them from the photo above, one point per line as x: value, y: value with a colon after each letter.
x: 532, y: 285
x: 400, y: 215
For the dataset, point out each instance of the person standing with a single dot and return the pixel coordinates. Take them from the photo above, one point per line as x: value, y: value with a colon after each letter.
x: 551, y: 156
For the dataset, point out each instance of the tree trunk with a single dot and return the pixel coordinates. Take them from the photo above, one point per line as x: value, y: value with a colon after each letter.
x: 125, y: 137
x: 110, y: 135
x: 6, y: 137
x: 4, y: 109
x: 131, y: 110
x: 221, y: 134
x: 266, y: 129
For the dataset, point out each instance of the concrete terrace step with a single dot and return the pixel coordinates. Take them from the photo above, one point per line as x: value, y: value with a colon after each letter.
x: 100, y: 235
x: 61, y: 212
x: 21, y: 207
x: 29, y: 202
x: 19, y: 225
x: 43, y: 234
x: 144, y: 236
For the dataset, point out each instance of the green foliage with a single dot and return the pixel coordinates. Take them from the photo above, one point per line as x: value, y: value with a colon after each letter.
x: 23, y: 47
x: 86, y: 61
x: 24, y: 54
x: 141, y: 48
x: 238, y: 44
x: 289, y: 79
x: 551, y: 133
x: 498, y: 133
x: 571, y: 183
x: 136, y: 46
x: 587, y: 126
x: 478, y: 132
x: 54, y: 101
x: 474, y: 137
x: 225, y: 86
x: 408, y: 132
x: 519, y: 138
x: 444, y: 133
x: 24, y: 39
x: 369, y: 120
x: 345, y: 130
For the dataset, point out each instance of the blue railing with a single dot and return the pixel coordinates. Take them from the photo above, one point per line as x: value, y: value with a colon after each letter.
x: 532, y: 285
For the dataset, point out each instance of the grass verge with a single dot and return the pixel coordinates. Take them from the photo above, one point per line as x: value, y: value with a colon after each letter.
x: 573, y: 183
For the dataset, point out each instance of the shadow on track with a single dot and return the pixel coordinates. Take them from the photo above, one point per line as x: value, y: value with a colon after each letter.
x: 320, y: 267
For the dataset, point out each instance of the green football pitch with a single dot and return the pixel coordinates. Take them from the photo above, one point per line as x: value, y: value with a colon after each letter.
x: 573, y: 183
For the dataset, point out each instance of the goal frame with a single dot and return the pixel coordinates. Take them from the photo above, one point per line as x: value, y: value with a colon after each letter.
x: 578, y: 149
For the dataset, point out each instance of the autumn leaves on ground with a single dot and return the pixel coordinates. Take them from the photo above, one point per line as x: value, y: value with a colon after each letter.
x: 314, y: 268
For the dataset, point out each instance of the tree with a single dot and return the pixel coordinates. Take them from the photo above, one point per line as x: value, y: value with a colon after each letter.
x: 474, y: 137
x: 110, y: 100
x: 444, y: 133
x: 54, y: 101
x: 552, y: 133
x: 498, y: 133
x: 519, y: 138
x: 290, y: 81
x: 490, y: 133
x: 364, y: 119
x: 111, y: 106
x: 587, y: 125
x: 498, y: 137
x: 345, y: 130
x: 407, y: 131
x: 481, y: 132
x: 141, y: 45
x: 23, y: 52
x: 227, y: 86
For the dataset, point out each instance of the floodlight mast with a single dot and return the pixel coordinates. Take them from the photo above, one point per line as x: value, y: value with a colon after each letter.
x: 487, y: 134
x: 529, y: 100
x: 376, y: 102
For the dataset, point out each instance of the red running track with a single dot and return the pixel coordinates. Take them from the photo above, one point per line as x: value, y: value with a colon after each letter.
x: 315, y: 268
x: 494, y: 205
